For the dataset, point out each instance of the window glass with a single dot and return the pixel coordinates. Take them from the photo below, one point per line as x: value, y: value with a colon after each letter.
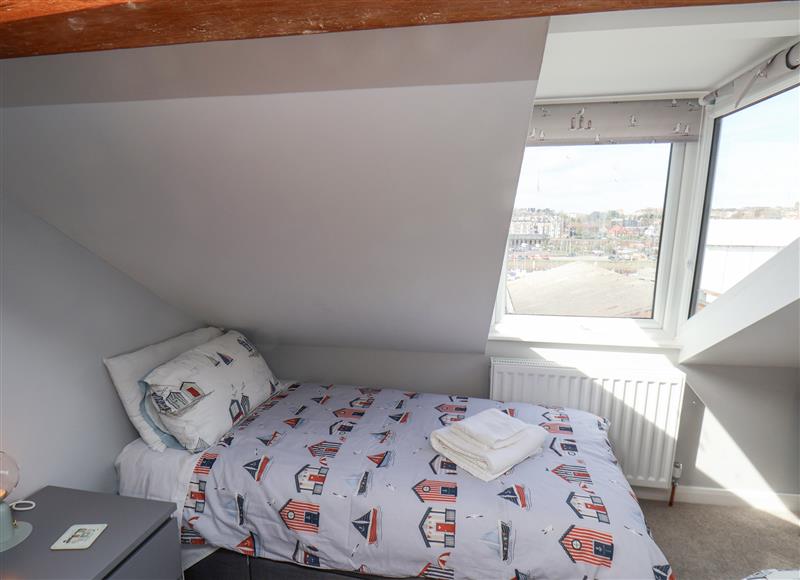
x: 586, y: 230
x: 753, y: 203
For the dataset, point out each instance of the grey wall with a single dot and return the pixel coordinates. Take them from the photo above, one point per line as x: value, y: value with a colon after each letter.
x: 336, y: 189
x: 748, y: 418
x: 462, y: 373
x: 62, y: 310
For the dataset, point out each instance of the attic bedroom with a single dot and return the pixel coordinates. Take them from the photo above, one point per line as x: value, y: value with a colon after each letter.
x: 467, y: 291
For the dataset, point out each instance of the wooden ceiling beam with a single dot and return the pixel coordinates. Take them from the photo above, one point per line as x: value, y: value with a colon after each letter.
x: 36, y: 27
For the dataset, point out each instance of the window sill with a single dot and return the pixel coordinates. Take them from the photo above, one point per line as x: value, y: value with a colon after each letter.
x: 563, y: 330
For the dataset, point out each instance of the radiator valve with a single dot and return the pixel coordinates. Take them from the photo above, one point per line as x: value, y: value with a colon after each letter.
x: 677, y: 471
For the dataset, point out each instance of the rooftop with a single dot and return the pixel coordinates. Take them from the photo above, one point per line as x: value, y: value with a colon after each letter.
x: 581, y: 289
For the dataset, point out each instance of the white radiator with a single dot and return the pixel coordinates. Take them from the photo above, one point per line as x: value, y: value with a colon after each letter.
x: 644, y: 407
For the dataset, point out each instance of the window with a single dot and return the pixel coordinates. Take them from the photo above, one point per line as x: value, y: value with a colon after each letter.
x: 585, y: 234
x: 753, y: 195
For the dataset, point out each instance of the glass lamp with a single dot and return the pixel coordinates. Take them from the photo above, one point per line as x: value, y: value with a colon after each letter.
x: 11, y: 532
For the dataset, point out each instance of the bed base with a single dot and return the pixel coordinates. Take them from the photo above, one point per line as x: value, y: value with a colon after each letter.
x: 227, y: 565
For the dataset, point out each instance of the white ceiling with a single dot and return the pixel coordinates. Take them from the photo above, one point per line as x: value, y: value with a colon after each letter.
x: 346, y: 189
x: 693, y: 49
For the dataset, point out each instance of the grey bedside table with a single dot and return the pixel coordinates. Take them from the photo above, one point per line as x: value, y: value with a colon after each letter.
x: 140, y: 542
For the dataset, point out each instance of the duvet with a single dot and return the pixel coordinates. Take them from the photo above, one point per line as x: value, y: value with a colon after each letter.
x: 345, y: 478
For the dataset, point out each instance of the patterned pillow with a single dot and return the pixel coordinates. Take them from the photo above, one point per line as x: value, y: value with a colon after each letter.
x: 204, y: 392
x: 126, y: 371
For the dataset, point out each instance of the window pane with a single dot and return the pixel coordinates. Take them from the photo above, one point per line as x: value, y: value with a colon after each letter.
x: 586, y: 230
x: 754, y: 203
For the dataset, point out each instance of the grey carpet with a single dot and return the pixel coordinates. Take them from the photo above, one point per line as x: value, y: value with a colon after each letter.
x: 704, y: 542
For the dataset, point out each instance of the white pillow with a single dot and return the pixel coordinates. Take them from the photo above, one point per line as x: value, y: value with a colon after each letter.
x: 204, y: 392
x: 127, y: 370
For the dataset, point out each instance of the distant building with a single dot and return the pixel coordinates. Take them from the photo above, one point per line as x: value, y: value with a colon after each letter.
x: 529, y: 226
x: 736, y: 247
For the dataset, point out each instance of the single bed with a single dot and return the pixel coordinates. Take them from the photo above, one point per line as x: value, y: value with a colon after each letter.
x: 344, y: 478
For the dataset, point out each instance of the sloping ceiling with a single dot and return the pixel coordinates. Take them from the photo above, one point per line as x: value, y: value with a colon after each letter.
x: 756, y: 345
x: 660, y: 51
x: 755, y: 323
x: 350, y: 189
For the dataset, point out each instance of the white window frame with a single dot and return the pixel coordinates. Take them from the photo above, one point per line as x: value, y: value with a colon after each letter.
x: 702, y: 194
x: 687, y: 191
x: 656, y: 331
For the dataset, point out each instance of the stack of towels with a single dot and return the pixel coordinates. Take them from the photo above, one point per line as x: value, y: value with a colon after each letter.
x: 488, y: 444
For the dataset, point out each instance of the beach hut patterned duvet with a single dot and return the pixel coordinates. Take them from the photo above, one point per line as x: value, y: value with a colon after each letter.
x: 344, y: 478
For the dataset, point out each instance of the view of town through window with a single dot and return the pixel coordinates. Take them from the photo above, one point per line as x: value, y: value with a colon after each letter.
x: 754, y: 203
x: 586, y: 230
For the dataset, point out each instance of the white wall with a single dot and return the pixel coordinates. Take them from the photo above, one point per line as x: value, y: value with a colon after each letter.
x: 62, y: 310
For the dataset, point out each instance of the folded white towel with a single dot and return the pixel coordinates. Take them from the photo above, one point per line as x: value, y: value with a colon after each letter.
x: 491, y: 428
x: 484, y: 463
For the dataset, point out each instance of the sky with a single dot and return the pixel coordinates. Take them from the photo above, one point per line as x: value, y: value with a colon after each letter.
x: 757, y: 164
x: 587, y: 178
x: 759, y: 154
